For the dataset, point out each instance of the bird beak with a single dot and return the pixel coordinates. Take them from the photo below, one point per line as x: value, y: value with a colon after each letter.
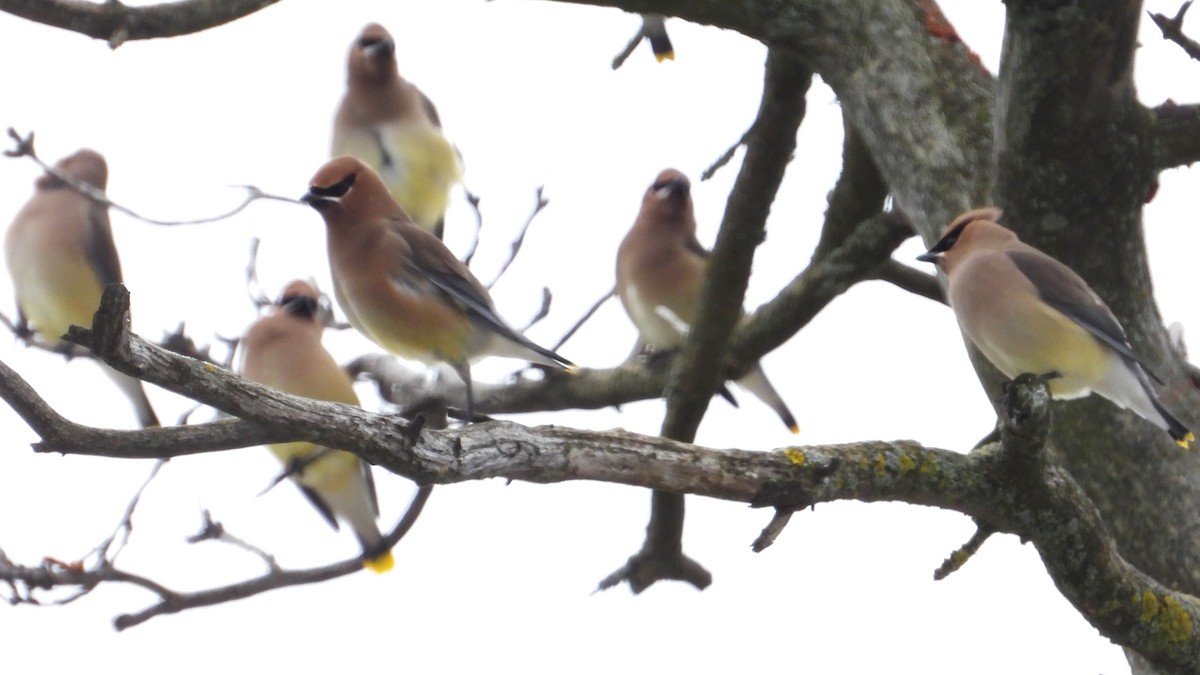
x: 671, y: 189
x: 930, y: 256
x: 381, y: 49
x: 313, y: 199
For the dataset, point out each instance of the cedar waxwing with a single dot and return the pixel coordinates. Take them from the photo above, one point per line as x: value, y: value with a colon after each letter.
x: 660, y: 266
x: 61, y: 255
x: 400, y: 286
x: 283, y: 350
x: 388, y: 123
x: 1029, y: 313
x: 654, y: 27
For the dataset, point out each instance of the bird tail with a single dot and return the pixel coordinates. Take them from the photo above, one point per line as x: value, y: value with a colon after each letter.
x: 517, y: 346
x: 1180, y: 433
x: 380, y: 563
x: 655, y: 29
x: 136, y: 393
x: 755, y: 382
x: 1127, y: 385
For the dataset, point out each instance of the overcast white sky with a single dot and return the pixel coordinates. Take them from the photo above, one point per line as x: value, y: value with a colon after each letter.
x: 495, y: 576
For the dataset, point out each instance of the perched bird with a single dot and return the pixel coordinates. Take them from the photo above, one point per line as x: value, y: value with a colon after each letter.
x: 283, y: 350
x: 660, y: 267
x: 654, y: 27
x: 388, y: 123
x: 60, y: 253
x: 1029, y: 313
x: 400, y: 286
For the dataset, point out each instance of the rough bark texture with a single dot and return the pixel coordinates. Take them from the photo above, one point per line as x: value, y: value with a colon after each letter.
x: 116, y: 23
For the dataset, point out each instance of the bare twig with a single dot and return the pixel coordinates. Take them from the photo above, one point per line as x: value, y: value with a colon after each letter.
x: 964, y: 552
x: 726, y: 156
x: 32, y: 338
x: 178, y: 341
x: 296, y: 467
x: 543, y: 311
x: 515, y: 247
x: 473, y: 200
x: 24, y: 148
x: 587, y: 315
x: 620, y: 59
x: 116, y: 542
x: 772, y: 531
x: 1172, y: 29
x: 212, y: 530
x: 171, y: 602
x: 253, y: 286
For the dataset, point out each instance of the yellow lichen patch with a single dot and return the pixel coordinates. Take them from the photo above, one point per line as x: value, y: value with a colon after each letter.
x: 907, y: 463
x: 1149, y: 606
x: 796, y: 456
x: 881, y: 465
x: 1174, y: 622
x: 929, y: 466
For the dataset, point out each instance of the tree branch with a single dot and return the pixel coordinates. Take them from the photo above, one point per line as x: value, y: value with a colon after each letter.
x: 912, y: 280
x: 1176, y: 135
x: 1010, y: 486
x: 1172, y: 29
x: 858, y: 194
x: 117, y: 23
x: 693, y: 380
x: 862, y: 252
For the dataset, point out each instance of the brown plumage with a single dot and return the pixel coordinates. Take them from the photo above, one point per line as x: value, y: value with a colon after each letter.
x: 389, y: 124
x: 60, y: 254
x: 283, y: 350
x: 1029, y: 313
x: 400, y: 286
x: 660, y: 267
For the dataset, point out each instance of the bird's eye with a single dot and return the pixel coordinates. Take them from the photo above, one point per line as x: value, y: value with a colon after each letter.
x: 369, y: 41
x: 299, y: 305
x: 337, y: 190
x: 950, y: 239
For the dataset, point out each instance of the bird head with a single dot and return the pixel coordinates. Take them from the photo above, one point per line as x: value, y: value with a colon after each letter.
x: 301, y: 299
x: 667, y: 204
x: 671, y: 185
x: 86, y: 165
x: 332, y: 183
x: 345, y: 191
x: 372, y: 54
x: 959, y: 235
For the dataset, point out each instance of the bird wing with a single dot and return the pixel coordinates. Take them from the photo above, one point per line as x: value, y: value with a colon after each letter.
x: 315, y: 498
x: 1067, y: 292
x: 429, y: 108
x: 100, y: 249
x: 372, y: 496
x: 693, y: 244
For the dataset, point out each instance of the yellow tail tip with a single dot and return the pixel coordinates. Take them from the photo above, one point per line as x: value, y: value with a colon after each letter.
x: 1186, y: 441
x: 665, y: 56
x: 794, y: 428
x: 380, y: 564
